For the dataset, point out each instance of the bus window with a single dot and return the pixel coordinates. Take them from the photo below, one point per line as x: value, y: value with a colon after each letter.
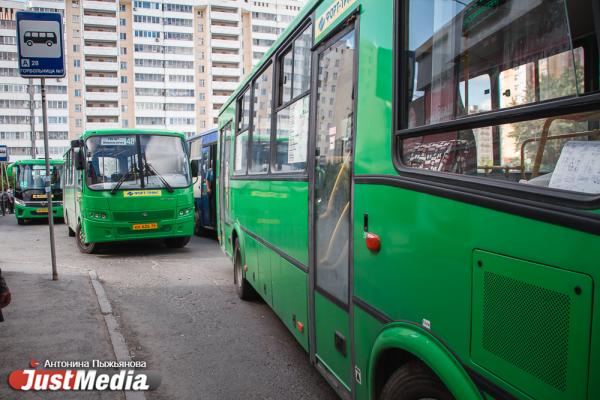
x: 260, y: 146
x: 479, y: 57
x: 241, y: 136
x: 525, y: 46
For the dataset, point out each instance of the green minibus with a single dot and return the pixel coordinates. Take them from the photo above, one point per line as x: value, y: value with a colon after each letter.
x: 413, y: 186
x: 28, y: 180
x: 128, y: 185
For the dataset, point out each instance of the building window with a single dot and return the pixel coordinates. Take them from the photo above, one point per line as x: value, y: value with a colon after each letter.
x: 77, y: 92
x: 123, y: 64
x: 78, y: 122
x: 124, y: 94
x: 123, y: 50
x: 124, y: 108
x: 77, y: 78
x: 122, y: 21
x: 125, y: 123
x: 201, y: 96
x: 123, y: 79
x: 77, y: 63
x: 123, y: 36
x: 75, y: 48
x: 201, y: 82
x: 122, y: 7
x: 77, y: 107
x: 75, y: 18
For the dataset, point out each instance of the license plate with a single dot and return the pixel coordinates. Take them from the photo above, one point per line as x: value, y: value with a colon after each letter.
x: 42, y: 210
x: 144, y: 227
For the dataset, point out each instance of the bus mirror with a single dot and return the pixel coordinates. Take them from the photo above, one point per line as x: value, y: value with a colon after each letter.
x: 76, y: 143
x: 79, y: 160
x: 195, y: 168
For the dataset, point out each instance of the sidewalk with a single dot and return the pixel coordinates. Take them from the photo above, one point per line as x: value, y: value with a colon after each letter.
x: 50, y: 320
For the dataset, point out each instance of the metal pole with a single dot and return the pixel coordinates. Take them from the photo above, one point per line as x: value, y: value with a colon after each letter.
x: 32, y: 116
x: 48, y: 180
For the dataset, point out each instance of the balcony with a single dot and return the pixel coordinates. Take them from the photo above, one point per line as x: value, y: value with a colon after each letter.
x: 227, y: 72
x: 225, y: 44
x: 102, y: 111
x: 101, y: 51
x: 101, y: 66
x: 101, y: 81
x: 225, y: 16
x: 218, y: 57
x: 94, y: 126
x: 225, y: 30
x: 102, y: 96
x: 100, y: 5
x: 220, y: 85
x: 102, y: 36
x: 99, y: 21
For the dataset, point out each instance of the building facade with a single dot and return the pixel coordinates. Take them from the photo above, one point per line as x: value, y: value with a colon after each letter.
x: 164, y: 64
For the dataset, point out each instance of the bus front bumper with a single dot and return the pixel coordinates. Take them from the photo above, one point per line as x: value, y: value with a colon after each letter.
x: 28, y: 212
x: 110, y: 231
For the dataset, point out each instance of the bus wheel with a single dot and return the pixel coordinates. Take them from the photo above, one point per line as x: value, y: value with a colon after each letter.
x: 242, y: 286
x: 414, y: 381
x: 20, y: 221
x: 87, y: 248
x: 177, y: 242
x: 49, y: 43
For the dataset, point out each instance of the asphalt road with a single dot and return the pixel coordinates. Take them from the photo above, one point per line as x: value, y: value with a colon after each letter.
x: 178, y: 311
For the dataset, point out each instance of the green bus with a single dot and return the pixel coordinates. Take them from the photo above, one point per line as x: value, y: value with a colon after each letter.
x: 128, y: 185
x: 28, y: 180
x: 413, y: 186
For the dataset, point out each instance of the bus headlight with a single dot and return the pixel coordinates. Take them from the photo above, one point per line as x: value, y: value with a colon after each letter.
x: 185, y: 211
x: 97, y: 215
x: 19, y: 202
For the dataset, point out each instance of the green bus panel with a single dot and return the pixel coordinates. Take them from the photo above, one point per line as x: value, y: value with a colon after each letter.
x: 276, y: 211
x: 427, y: 246
x: 331, y: 319
x: 290, y: 288
x: 251, y: 261
x: 366, y: 329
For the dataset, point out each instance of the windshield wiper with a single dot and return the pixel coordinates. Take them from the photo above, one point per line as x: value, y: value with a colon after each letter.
x: 123, y: 179
x: 150, y: 168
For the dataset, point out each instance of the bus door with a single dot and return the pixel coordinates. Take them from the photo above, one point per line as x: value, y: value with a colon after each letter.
x: 225, y: 147
x: 330, y: 184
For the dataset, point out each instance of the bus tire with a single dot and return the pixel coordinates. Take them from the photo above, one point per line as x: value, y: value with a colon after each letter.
x: 414, y: 381
x: 20, y: 221
x: 86, y: 248
x: 243, y: 288
x: 177, y: 242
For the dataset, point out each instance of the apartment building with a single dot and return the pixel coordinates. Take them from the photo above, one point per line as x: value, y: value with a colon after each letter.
x: 162, y: 64
x: 20, y: 99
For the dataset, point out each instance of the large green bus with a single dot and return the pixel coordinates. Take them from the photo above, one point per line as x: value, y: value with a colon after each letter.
x: 413, y: 186
x: 28, y: 180
x: 128, y: 185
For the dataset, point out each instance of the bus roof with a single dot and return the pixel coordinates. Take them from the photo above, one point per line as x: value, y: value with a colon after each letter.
x: 306, y: 11
x: 203, y: 134
x: 37, y: 161
x: 100, y: 132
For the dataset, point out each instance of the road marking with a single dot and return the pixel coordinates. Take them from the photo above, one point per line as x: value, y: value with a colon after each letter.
x: 114, y: 331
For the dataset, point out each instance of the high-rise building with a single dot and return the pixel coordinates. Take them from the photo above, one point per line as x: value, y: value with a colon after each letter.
x: 163, y: 64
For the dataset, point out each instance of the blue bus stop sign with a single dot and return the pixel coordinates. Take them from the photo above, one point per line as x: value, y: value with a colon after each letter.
x: 40, y: 45
x: 3, y: 153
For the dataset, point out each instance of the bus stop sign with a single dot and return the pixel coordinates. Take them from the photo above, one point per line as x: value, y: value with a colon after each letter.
x: 3, y: 153
x: 40, y: 45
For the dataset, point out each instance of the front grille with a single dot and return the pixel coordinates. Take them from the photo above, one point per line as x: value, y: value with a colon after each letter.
x: 143, y: 216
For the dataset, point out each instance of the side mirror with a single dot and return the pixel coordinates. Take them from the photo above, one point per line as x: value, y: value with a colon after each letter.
x: 195, y: 168
x: 78, y: 159
x: 76, y: 143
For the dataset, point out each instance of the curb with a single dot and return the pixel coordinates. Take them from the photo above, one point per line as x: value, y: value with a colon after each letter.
x: 117, y: 340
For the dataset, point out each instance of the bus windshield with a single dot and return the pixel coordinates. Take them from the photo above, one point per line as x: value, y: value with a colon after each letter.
x: 136, y: 162
x: 32, y: 177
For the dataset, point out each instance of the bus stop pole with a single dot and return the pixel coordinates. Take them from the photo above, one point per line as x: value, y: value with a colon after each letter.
x: 48, y: 180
